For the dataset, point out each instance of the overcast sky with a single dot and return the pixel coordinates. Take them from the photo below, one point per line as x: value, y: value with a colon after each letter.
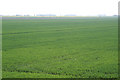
x: 59, y: 7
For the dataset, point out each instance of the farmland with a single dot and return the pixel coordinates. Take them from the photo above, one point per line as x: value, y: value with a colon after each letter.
x: 81, y: 47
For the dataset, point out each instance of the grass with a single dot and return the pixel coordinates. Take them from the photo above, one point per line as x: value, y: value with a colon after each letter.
x: 60, y: 48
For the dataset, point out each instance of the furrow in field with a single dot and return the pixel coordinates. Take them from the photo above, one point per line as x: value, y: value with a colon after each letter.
x: 52, y: 73
x: 20, y: 32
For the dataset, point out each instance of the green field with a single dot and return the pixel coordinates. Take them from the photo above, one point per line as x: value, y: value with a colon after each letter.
x: 85, y: 47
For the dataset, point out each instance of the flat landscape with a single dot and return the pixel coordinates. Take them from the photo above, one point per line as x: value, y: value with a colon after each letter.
x: 62, y: 47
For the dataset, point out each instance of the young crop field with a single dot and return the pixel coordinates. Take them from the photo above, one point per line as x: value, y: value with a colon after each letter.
x: 76, y: 47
